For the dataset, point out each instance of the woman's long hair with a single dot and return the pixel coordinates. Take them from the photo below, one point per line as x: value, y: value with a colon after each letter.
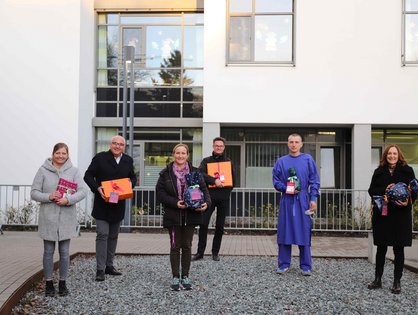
x: 401, y: 158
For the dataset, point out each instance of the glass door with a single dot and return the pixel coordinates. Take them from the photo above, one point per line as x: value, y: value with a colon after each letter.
x: 156, y: 157
x: 234, y: 153
x: 330, y: 168
x: 138, y: 153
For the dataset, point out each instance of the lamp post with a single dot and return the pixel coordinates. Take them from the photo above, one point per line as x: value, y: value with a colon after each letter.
x: 128, y: 63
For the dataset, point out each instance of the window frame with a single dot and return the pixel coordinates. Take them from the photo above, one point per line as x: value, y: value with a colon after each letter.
x: 186, y: 21
x: 252, y: 16
x: 403, y: 53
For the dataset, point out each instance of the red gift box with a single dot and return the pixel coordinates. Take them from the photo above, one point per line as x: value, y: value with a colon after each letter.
x: 66, y: 187
x: 122, y: 187
x: 221, y: 171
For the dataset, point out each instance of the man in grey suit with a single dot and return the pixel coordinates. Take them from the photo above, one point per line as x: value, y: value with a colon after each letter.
x: 108, y: 165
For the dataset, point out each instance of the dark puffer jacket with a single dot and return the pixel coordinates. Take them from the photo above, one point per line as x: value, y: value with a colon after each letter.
x: 166, y: 189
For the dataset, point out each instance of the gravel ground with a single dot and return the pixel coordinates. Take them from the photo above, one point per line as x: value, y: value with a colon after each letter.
x: 235, y: 285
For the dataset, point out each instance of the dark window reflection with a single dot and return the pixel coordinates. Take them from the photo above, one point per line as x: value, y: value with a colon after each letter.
x: 106, y: 110
x: 193, y: 110
x: 193, y: 94
x: 154, y: 94
x: 169, y: 95
x: 154, y: 110
x: 112, y: 77
x: 107, y: 94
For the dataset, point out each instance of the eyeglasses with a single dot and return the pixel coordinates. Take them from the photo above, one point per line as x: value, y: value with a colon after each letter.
x: 118, y: 144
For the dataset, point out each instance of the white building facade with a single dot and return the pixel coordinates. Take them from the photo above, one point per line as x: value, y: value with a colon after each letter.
x: 341, y: 73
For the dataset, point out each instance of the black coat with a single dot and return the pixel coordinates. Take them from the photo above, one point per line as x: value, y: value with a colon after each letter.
x: 166, y: 190
x: 103, y: 167
x: 395, y: 229
x: 216, y: 193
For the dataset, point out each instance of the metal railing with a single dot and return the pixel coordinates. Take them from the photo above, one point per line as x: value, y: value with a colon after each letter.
x: 339, y: 210
x: 17, y: 208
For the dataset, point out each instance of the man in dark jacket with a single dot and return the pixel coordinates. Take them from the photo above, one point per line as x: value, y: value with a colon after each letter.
x: 219, y: 194
x: 109, y: 165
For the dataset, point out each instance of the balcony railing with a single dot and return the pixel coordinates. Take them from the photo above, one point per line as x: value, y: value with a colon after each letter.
x: 339, y: 210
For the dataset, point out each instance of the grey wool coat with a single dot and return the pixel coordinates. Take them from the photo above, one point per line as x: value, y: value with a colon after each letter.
x: 57, y: 223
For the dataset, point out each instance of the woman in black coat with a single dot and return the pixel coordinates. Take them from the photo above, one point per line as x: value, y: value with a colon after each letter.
x: 395, y: 228
x: 179, y: 220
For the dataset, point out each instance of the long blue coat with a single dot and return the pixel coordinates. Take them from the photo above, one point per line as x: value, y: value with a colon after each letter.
x: 294, y: 226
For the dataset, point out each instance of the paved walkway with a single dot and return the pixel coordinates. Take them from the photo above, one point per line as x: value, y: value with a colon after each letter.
x: 21, y: 253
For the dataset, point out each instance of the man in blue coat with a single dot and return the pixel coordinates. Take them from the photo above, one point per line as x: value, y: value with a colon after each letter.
x: 295, y: 175
x: 108, y: 165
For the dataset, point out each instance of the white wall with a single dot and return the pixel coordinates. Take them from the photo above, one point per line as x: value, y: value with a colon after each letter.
x: 87, y: 84
x: 348, y: 69
x: 347, y: 72
x: 39, y: 84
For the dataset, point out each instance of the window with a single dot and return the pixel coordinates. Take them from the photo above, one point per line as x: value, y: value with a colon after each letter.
x: 410, y: 32
x: 168, y: 68
x: 261, y: 147
x: 406, y: 139
x: 260, y: 32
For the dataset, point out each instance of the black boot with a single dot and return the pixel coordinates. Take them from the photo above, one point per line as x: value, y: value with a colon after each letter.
x: 62, y: 288
x: 197, y: 256
x: 100, y: 275
x: 376, y: 284
x: 396, y: 288
x: 49, y: 288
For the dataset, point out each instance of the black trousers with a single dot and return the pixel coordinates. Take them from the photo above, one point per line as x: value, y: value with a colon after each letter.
x: 222, y: 208
x: 181, y: 238
x: 399, y: 254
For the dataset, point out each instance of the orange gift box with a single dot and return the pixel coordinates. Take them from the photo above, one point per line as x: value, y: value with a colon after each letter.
x: 122, y: 187
x: 222, y: 171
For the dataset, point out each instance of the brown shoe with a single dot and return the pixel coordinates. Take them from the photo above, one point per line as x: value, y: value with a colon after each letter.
x: 396, y: 288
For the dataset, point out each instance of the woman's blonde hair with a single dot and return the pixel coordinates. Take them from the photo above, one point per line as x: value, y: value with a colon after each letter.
x: 181, y: 145
x: 60, y: 145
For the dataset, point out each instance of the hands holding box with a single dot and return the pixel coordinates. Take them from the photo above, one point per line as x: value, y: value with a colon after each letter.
x: 117, y: 189
x: 221, y: 171
x: 66, y: 187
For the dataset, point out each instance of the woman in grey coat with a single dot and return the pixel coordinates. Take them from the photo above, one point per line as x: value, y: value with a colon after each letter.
x: 57, y: 213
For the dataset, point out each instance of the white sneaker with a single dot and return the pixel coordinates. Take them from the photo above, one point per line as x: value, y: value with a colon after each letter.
x: 282, y: 271
x: 306, y: 273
